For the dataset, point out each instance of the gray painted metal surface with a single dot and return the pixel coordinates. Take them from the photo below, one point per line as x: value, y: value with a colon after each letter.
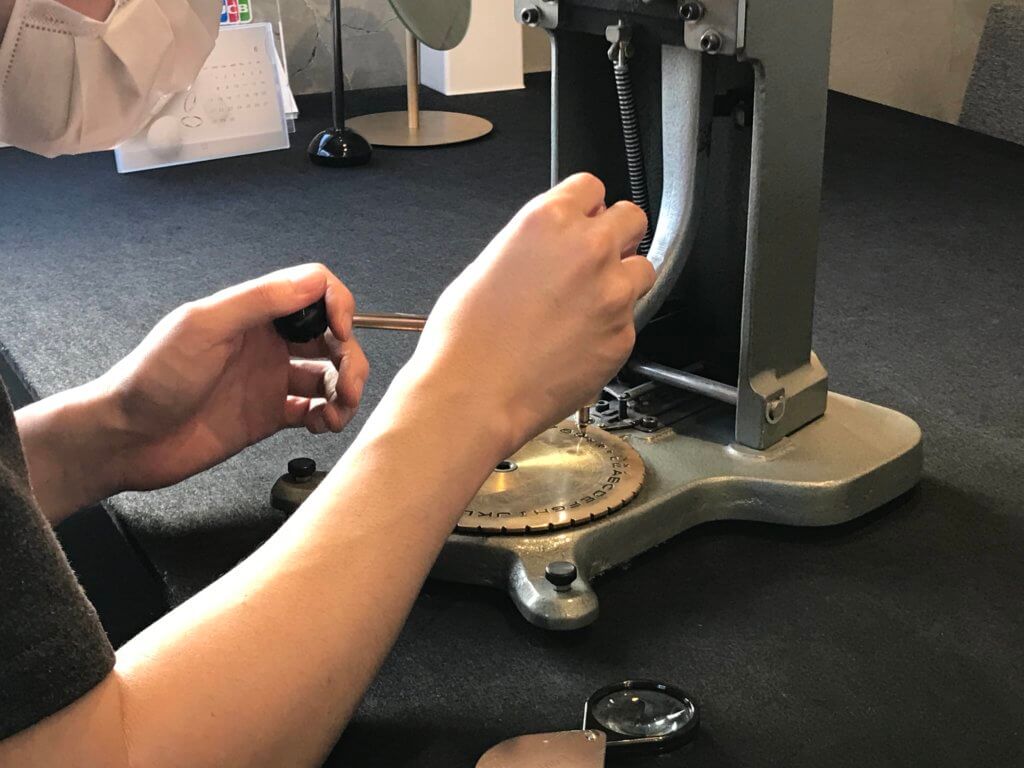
x: 850, y: 461
x: 736, y: 205
x: 787, y: 42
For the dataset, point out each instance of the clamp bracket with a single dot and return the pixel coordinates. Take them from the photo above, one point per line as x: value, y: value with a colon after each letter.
x: 537, y: 13
x: 719, y: 26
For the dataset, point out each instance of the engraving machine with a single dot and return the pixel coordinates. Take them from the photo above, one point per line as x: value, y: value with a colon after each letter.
x: 712, y: 115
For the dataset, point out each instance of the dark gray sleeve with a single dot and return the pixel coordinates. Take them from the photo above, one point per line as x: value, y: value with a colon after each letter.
x: 52, y: 646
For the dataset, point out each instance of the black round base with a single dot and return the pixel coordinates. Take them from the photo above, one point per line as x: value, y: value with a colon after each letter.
x: 339, y: 148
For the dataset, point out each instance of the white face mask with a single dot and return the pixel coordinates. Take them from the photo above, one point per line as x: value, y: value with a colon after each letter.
x: 71, y: 84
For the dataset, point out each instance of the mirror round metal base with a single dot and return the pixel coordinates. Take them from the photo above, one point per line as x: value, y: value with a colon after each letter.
x: 392, y: 129
x: 339, y: 148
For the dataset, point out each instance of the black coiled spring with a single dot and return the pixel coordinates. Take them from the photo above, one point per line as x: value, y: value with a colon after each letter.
x: 634, y: 152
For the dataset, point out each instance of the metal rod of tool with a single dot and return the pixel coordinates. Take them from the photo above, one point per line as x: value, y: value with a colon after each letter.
x: 583, y: 419
x: 685, y: 380
x: 390, y: 321
x: 619, y: 36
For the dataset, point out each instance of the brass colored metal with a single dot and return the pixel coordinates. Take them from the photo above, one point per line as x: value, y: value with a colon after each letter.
x: 391, y: 129
x: 559, y: 479
x: 389, y: 321
x: 413, y: 127
x: 412, y: 80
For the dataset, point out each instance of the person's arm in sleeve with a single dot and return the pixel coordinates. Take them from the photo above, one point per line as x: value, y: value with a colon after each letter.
x: 266, y: 665
x: 209, y: 380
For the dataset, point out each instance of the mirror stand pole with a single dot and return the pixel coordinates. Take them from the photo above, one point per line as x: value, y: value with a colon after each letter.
x: 412, y: 80
x: 338, y: 146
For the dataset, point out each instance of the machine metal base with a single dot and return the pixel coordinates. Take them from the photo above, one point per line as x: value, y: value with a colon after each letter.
x: 391, y: 129
x: 850, y: 461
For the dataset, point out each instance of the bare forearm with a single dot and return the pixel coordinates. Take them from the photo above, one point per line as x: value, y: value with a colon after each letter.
x: 289, y: 640
x: 266, y: 665
x: 71, y: 446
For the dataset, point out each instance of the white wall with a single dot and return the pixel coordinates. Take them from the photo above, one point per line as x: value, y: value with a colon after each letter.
x: 373, y: 40
x: 913, y: 54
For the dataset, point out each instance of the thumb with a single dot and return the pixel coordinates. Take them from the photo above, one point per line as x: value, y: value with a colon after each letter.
x: 255, y: 302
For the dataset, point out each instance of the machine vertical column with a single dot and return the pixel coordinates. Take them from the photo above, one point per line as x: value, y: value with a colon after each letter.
x: 782, y: 385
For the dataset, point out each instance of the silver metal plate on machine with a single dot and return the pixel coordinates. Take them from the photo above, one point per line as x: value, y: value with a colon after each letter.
x: 718, y: 28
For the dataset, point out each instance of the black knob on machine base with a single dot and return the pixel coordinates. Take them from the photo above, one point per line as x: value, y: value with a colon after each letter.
x: 561, y: 574
x: 301, y: 469
x: 295, y: 486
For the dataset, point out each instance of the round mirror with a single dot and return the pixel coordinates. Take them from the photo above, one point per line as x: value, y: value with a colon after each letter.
x: 438, y: 24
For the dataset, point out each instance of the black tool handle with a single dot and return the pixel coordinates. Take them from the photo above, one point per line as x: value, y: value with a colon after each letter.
x: 304, y: 325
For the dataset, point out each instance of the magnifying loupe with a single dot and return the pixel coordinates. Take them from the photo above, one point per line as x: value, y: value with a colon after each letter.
x: 642, y: 716
x: 634, y: 717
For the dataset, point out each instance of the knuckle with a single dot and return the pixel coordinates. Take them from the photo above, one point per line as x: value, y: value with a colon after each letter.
x: 617, y: 296
x: 636, y: 219
x: 551, y: 210
x: 313, y: 265
x: 349, y: 297
x: 533, y: 212
x: 594, y: 242
x: 341, y: 290
x: 191, y: 314
x: 637, y: 212
x: 624, y: 341
x: 589, y: 180
x: 267, y: 295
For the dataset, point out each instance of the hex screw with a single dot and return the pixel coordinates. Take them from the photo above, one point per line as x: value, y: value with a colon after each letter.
x: 775, y: 409
x: 529, y: 16
x: 649, y: 421
x: 711, y: 42
x: 691, y: 11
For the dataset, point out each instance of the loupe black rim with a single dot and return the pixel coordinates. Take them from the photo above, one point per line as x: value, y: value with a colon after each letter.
x: 643, y: 745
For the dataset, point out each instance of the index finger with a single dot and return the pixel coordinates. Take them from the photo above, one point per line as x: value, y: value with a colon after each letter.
x: 254, y: 302
x: 584, y: 190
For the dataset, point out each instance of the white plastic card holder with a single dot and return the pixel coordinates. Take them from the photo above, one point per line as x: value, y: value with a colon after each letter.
x: 233, y: 108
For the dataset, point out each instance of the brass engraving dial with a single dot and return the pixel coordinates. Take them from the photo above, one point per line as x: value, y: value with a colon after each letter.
x: 558, y: 479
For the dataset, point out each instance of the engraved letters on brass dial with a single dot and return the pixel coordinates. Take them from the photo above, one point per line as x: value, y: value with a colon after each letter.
x: 557, y: 480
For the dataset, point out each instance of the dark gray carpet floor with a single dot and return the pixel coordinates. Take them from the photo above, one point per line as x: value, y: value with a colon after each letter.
x: 893, y: 641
